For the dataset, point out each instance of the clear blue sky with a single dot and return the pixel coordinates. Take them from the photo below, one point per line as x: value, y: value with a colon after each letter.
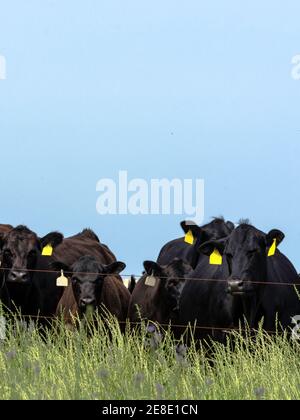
x: 188, y: 89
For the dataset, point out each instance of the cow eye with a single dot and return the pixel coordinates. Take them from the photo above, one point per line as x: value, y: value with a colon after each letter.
x: 251, y: 252
x: 32, y: 254
x: 229, y: 257
x: 7, y: 253
x: 75, y: 280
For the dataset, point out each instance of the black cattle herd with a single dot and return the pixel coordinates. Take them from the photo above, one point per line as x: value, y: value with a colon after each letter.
x: 214, y: 278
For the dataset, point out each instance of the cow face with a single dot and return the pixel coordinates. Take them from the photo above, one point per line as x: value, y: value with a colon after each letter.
x: 87, y: 280
x: 163, y: 304
x: 20, y: 249
x: 245, y: 252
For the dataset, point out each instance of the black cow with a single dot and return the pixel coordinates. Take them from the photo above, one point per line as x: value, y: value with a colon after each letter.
x: 31, y: 293
x: 92, y: 286
x: 156, y: 294
x: 205, y: 304
x: 35, y: 292
x: 4, y: 295
x: 251, y: 272
x: 5, y: 300
x: 178, y: 248
x: 131, y: 284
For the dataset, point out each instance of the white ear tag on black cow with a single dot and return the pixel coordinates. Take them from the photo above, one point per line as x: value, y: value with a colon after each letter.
x: 62, y: 281
x: 150, y: 281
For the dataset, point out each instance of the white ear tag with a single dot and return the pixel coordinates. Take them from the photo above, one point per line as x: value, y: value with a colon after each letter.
x: 150, y: 281
x: 62, y: 281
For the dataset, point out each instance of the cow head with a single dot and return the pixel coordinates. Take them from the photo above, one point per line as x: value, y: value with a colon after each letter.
x: 87, y: 279
x: 163, y: 304
x: 216, y: 229
x: 20, y: 249
x: 245, y: 252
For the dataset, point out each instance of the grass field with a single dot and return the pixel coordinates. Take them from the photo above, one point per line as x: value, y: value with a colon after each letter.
x: 143, y: 365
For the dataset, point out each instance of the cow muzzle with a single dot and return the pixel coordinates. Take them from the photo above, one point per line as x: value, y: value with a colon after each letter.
x: 236, y: 287
x: 16, y: 276
x: 87, y: 305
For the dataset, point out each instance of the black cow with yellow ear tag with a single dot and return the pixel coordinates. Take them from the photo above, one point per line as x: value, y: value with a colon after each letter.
x: 186, y: 247
x: 262, y: 277
x: 204, y: 301
x: 27, y: 258
x: 31, y: 292
x: 256, y: 282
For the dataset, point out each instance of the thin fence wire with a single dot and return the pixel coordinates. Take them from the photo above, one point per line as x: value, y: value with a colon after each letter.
x: 128, y: 322
x: 129, y: 276
x: 189, y: 326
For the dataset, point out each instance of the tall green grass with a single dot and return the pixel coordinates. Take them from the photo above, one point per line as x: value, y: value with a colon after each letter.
x: 65, y: 364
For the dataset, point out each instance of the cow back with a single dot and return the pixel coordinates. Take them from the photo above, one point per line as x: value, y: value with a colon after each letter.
x: 85, y: 243
x: 5, y: 228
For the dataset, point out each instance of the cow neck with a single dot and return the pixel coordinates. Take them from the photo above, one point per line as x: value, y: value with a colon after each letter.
x: 19, y: 295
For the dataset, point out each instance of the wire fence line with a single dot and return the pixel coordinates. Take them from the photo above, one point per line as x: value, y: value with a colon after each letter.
x: 189, y: 326
x: 129, y: 276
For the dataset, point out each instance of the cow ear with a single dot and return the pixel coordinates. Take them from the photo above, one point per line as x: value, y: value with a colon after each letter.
x: 196, y: 230
x: 52, y: 238
x: 208, y: 247
x: 152, y: 267
x: 132, y: 284
x: 1, y: 240
x: 114, y: 268
x: 58, y: 266
x: 274, y: 234
x: 181, y: 267
x: 230, y: 225
x: 187, y: 225
x: 175, y: 281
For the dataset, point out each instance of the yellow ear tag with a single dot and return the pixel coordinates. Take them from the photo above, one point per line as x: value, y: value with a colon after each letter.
x: 62, y: 281
x: 189, y: 237
x: 272, y: 249
x: 216, y: 258
x: 47, y: 251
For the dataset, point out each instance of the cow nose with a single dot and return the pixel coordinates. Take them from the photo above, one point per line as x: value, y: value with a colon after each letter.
x: 235, y: 286
x: 87, y: 301
x: 18, y: 276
